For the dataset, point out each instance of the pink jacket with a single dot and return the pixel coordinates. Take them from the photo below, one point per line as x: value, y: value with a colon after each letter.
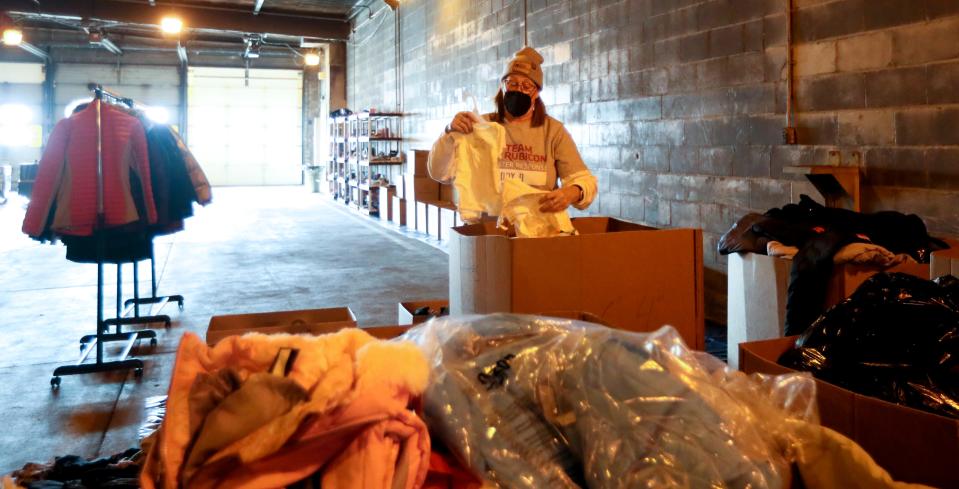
x: 356, y: 427
x: 67, y: 174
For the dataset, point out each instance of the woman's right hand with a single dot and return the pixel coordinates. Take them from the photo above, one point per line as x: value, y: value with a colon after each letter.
x: 462, y: 122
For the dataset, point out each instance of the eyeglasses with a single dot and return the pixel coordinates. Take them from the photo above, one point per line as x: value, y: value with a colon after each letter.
x: 523, y: 86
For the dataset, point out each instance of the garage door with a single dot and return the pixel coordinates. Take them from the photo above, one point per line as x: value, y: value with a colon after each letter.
x: 246, y: 131
x: 155, y: 87
x: 21, y: 112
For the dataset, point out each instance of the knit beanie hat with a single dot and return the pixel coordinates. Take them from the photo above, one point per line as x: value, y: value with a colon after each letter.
x: 526, y: 62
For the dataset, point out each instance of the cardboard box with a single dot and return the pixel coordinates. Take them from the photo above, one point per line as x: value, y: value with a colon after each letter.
x: 311, y: 321
x: 398, y: 216
x: 417, y: 162
x: 631, y: 276
x: 410, y: 214
x: 575, y: 315
x: 447, y: 220
x: 756, y: 295
x: 385, y: 196
x: 433, y: 219
x: 422, y: 217
x: 404, y: 310
x: 386, y: 332
x: 421, y: 189
x: 446, y: 193
x: 913, y: 445
x: 944, y: 262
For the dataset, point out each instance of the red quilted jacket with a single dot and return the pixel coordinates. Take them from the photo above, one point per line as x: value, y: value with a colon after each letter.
x: 67, y: 175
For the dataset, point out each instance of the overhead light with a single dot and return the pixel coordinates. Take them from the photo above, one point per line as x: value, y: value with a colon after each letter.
x: 12, y: 37
x: 157, y: 114
x: 394, y: 4
x: 311, y: 59
x: 171, y: 25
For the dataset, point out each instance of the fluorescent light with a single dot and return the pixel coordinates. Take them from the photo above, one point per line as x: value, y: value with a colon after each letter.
x: 171, y: 25
x: 12, y: 37
x: 311, y: 59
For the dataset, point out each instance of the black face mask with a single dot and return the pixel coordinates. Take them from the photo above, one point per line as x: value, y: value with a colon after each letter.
x: 517, y: 103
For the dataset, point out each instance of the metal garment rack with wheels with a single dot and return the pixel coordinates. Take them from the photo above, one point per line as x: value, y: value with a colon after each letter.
x: 133, y: 305
x: 96, y: 341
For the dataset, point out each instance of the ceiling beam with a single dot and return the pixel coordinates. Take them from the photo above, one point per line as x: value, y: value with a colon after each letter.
x: 192, y: 15
x: 257, y: 7
x: 30, y: 48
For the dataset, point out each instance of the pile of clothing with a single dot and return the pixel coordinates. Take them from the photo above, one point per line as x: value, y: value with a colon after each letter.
x: 816, y: 238
x: 272, y: 411
x: 150, y: 181
x: 120, y: 471
x: 503, y: 401
x: 895, y: 338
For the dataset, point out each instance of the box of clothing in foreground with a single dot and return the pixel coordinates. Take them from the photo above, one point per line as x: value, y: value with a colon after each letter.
x: 885, y: 362
x: 631, y: 276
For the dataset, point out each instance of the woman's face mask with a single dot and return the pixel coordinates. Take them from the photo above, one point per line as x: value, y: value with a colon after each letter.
x: 517, y: 103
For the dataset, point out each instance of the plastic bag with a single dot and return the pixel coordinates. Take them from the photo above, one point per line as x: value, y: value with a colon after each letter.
x: 539, y: 402
x: 521, y: 209
x: 895, y: 338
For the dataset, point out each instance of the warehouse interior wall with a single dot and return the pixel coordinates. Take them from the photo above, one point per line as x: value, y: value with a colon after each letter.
x: 679, y: 106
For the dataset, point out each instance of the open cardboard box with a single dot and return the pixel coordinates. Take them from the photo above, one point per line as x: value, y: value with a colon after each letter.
x: 631, y: 276
x: 404, y: 310
x: 311, y: 321
x: 913, y: 445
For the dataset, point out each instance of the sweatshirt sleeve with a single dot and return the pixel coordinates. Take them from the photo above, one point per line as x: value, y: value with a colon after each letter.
x: 49, y: 175
x: 571, y: 169
x: 440, y: 163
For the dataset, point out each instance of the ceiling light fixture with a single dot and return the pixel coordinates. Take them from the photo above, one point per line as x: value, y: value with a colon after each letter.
x: 311, y: 59
x: 12, y: 37
x: 171, y: 25
x: 394, y: 4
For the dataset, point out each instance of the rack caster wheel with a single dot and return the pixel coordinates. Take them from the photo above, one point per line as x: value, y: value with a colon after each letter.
x: 55, y: 382
x: 153, y: 342
x: 181, y: 305
x: 167, y: 324
x: 138, y: 373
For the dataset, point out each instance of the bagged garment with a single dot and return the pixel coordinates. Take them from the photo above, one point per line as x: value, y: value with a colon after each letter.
x: 521, y: 209
x: 538, y: 402
x: 239, y: 417
x: 895, y: 338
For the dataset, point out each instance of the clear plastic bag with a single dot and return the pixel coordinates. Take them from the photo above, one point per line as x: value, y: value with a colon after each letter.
x: 542, y: 402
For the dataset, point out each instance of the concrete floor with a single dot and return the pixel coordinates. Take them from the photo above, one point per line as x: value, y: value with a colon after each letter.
x: 251, y: 250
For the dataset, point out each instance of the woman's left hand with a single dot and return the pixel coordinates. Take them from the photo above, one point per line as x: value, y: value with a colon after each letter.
x: 559, y: 199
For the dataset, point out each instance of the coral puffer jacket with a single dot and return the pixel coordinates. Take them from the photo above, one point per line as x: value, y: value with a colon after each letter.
x: 67, y: 177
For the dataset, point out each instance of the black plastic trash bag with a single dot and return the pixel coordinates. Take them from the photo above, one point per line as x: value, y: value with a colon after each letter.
x: 895, y: 338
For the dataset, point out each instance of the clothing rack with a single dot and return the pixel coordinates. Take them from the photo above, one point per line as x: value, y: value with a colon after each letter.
x: 95, y: 342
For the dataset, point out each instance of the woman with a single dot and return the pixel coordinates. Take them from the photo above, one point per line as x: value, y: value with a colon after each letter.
x: 538, y: 148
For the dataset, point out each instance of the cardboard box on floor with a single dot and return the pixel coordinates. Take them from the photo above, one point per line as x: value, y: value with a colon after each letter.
x: 913, y: 445
x: 405, y: 310
x: 945, y: 262
x: 311, y: 321
x: 422, y: 217
x: 385, y: 196
x: 417, y: 162
x: 631, y: 276
x: 398, y: 217
x: 756, y: 294
x: 421, y: 189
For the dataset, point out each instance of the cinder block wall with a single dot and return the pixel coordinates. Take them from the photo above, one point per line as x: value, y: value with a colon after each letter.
x: 678, y: 106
